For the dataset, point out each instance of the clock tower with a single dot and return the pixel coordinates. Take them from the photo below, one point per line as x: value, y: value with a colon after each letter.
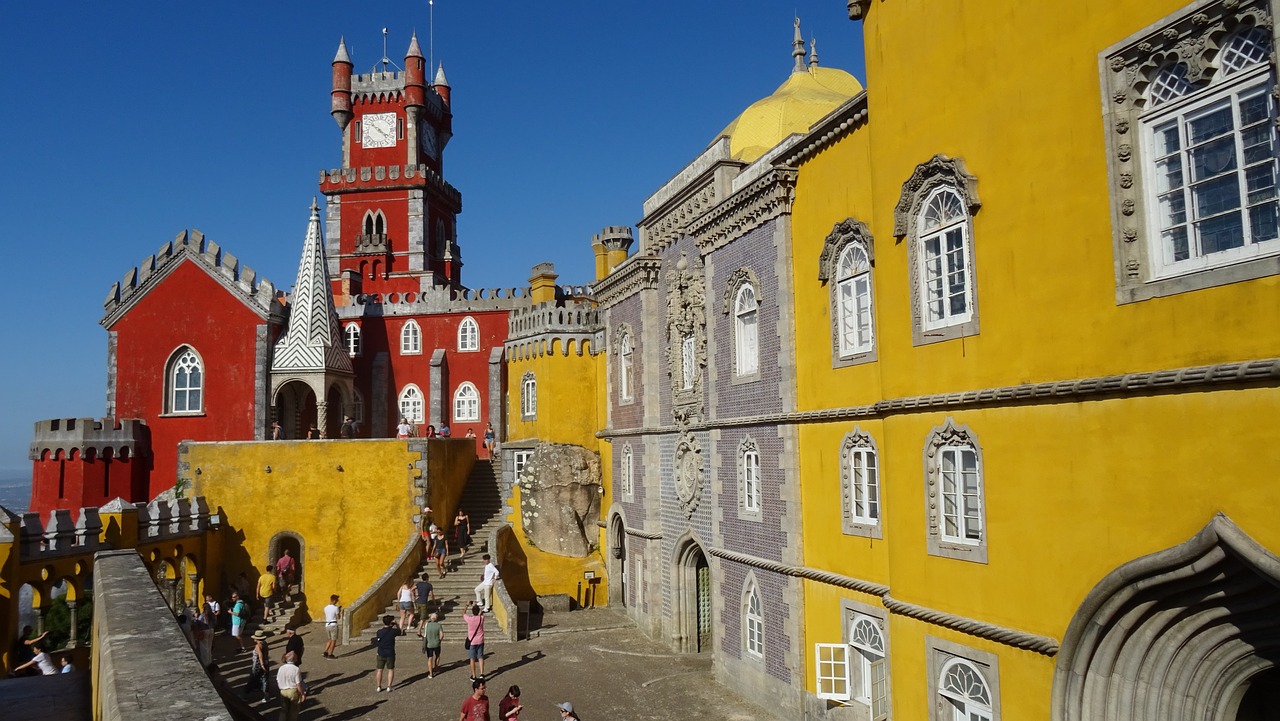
x: 390, y: 215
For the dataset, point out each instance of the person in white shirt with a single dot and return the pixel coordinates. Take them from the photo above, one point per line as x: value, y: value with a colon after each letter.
x: 486, y: 584
x: 41, y: 660
x: 292, y: 690
x: 332, y: 613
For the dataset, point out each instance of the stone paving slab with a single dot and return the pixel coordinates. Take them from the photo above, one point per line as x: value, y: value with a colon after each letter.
x: 605, y: 671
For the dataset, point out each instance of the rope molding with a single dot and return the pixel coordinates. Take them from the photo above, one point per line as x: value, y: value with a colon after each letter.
x: 638, y: 533
x: 1126, y: 384
x: 973, y: 627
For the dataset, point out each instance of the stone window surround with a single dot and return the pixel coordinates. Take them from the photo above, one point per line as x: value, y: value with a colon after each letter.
x: 458, y: 396
x: 468, y: 335
x: 845, y: 233
x: 528, y: 397
x: 749, y: 585
x: 1192, y: 36
x: 848, y: 609
x: 749, y: 444
x: 352, y: 339
x: 737, y: 279
x: 419, y: 417
x: 168, y: 388
x: 938, y: 652
x: 951, y: 434
x: 410, y: 329
x: 624, y: 331
x: 627, y: 472
x: 858, y: 438
x: 939, y: 171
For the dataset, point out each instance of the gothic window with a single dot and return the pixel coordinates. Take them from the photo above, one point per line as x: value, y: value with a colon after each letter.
x: 626, y: 365
x: 375, y: 223
x: 869, y: 675
x: 466, y: 403
x: 468, y: 335
x: 1194, y: 153
x: 410, y: 339
x: 860, y: 485
x: 528, y: 397
x: 746, y: 312
x: 351, y: 335
x: 749, y: 491
x: 935, y: 214
x: 954, y: 483
x: 688, y: 362
x: 963, y: 692
x: 411, y: 404
x: 845, y: 265
x: 185, y: 379
x: 752, y: 619
x: 627, y: 471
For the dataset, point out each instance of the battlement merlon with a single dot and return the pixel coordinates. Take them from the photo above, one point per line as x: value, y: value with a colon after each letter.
x: 615, y: 237
x: 236, y: 276
x: 129, y: 436
x: 338, y: 181
x: 558, y: 318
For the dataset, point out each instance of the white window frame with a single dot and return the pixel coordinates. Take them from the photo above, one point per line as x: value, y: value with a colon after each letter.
x: 412, y: 404
x: 519, y: 458
x: 945, y: 258
x: 181, y: 386
x: 856, y: 334
x: 468, y: 335
x: 870, y: 683
x: 627, y: 469
x: 750, y: 481
x: 626, y: 368
x: 528, y: 397
x: 746, y: 327
x: 753, y: 620
x: 831, y: 671
x: 411, y: 338
x: 861, y: 486
x: 353, y: 339
x: 688, y: 362
x: 466, y: 403
x: 952, y: 501
x: 963, y: 705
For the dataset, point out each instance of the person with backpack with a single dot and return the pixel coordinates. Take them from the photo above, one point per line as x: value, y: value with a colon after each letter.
x: 239, y: 619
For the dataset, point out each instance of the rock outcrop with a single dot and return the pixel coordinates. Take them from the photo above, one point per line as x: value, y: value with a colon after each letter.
x: 560, y: 499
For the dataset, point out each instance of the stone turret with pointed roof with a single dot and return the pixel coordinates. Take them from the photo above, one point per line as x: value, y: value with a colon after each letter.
x: 311, y: 351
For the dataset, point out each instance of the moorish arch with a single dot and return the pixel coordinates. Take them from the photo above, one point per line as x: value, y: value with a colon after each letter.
x: 1191, y: 632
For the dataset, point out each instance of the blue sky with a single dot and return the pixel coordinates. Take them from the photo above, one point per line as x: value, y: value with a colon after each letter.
x: 129, y: 122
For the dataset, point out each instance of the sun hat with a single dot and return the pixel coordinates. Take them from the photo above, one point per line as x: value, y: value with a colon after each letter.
x: 565, y: 706
x: 259, y: 635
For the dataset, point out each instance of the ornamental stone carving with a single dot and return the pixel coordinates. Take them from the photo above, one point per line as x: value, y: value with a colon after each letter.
x: 736, y: 280
x: 938, y: 170
x: 686, y: 339
x: 845, y: 232
x: 689, y: 479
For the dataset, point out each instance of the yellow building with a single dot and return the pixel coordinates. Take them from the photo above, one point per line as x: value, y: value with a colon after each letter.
x: 1036, y: 307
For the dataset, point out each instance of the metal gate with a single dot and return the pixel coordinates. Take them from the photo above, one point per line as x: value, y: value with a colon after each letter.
x: 704, y: 605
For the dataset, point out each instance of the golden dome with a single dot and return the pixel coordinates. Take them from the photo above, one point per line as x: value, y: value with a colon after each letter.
x: 806, y: 97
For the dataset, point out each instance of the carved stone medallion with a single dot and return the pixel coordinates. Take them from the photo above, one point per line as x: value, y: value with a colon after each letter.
x: 688, y: 471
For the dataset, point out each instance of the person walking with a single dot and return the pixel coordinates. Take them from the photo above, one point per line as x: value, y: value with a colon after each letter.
x: 292, y: 691
x: 432, y: 634
x: 509, y: 707
x: 266, y: 590
x: 239, y: 619
x: 476, y: 706
x: 405, y: 597
x: 332, y: 614
x: 385, y: 640
x: 423, y: 594
x: 474, y: 643
x: 216, y: 608
x: 485, y: 588
x: 442, y: 553
x: 404, y: 430
x: 286, y: 568
x: 490, y: 440
x: 567, y: 712
x: 259, y: 667
x: 293, y: 644
x: 462, y: 532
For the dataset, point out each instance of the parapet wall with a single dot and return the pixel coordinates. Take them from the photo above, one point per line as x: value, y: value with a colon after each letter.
x: 123, y: 438
x: 347, y: 180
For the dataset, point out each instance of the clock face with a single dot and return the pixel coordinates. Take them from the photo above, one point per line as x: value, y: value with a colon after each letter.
x: 429, y: 141
x: 378, y: 130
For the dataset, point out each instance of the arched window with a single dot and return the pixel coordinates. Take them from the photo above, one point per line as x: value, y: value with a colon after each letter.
x: 375, y: 223
x: 853, y: 302
x: 860, y: 484
x: 186, y: 382
x: 410, y: 339
x: 870, y: 680
x: 466, y: 403
x: 626, y: 367
x: 749, y: 477
x: 411, y: 404
x: 528, y: 397
x: 945, y: 275
x: 627, y: 471
x: 953, y: 475
x: 1244, y: 49
x: 965, y: 694
x: 746, y: 334
x: 688, y: 362
x: 753, y: 620
x: 351, y: 335
x: 468, y: 335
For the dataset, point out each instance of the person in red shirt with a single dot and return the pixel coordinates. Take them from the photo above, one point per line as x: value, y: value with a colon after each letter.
x: 509, y: 707
x: 476, y: 707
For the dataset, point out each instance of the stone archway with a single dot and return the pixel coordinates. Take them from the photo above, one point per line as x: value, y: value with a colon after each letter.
x: 1191, y: 632
x: 294, y: 543
x: 295, y: 409
x: 693, y: 598
x: 617, y: 561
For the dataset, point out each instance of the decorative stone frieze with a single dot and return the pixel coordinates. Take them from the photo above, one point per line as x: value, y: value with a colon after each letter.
x: 690, y: 478
x: 938, y: 170
x: 737, y: 279
x: 637, y: 273
x: 763, y: 199
x: 845, y: 232
x: 686, y: 339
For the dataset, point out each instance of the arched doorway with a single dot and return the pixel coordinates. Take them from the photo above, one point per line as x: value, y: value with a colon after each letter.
x: 336, y: 409
x: 1191, y: 632
x: 693, y: 591
x: 617, y: 561
x: 295, y: 407
x: 291, y: 542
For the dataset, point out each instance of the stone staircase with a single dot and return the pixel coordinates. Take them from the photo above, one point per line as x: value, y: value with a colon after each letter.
x: 482, y: 501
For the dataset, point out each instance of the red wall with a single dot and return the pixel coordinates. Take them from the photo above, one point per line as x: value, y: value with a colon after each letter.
x: 78, y: 482
x: 187, y: 308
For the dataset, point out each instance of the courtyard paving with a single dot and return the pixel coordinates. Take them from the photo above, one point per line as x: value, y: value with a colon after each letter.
x: 594, y: 658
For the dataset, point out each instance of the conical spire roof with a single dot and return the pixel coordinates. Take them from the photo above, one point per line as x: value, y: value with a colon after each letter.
x: 440, y: 79
x: 415, y: 51
x: 342, y: 56
x: 313, y: 340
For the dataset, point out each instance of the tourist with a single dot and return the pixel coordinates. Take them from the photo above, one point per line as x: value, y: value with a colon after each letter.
x: 285, y: 569
x: 212, y: 605
x: 293, y: 644
x: 22, y: 645
x: 239, y: 619
x: 332, y: 614
x: 292, y: 691
x: 385, y: 640
x: 404, y: 430
x: 431, y: 431
x: 442, y: 552
x: 490, y: 440
x: 445, y: 430
x: 471, y: 433
x: 348, y: 429
x: 509, y: 707
x: 276, y: 433
x: 432, y: 634
x: 202, y: 636
x: 474, y: 644
x: 41, y: 660
x: 66, y: 665
x: 476, y: 707
x: 266, y: 589
x: 405, y: 596
x: 485, y: 589
x: 314, y: 433
x: 462, y: 532
x: 566, y: 711
x: 259, y: 666
x: 423, y: 592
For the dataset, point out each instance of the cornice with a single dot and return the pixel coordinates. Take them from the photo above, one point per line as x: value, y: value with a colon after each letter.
x: 765, y: 198
x: 637, y: 273
x: 837, y: 124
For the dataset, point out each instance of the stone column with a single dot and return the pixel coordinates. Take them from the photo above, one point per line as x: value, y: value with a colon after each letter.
x: 172, y: 593
x: 197, y: 598
x: 322, y: 417
x: 40, y: 615
x: 71, y: 611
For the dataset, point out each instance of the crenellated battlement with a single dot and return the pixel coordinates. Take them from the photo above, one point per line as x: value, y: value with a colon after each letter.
x: 99, y: 436
x: 614, y: 237
x: 258, y: 292
x: 60, y: 535
x: 388, y: 84
x: 348, y: 180
x: 571, y: 316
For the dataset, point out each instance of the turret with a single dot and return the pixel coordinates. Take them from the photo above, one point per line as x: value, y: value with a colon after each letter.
x: 441, y: 85
x: 341, y: 111
x: 542, y: 283
x: 415, y: 76
x: 616, y: 240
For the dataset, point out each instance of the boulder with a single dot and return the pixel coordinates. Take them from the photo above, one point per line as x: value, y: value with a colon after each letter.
x: 560, y: 489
